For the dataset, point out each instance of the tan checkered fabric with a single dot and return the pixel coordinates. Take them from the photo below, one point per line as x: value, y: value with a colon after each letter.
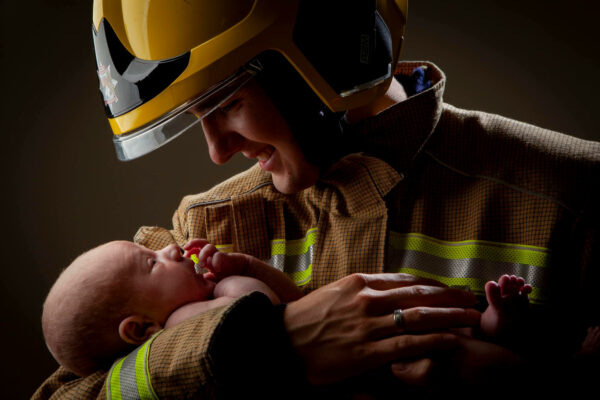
x: 348, y: 201
x: 427, y: 168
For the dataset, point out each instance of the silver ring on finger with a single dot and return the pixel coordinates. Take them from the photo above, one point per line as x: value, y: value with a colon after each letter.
x: 399, y: 318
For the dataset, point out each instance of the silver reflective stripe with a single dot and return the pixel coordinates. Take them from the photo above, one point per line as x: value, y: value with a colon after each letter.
x: 469, y: 263
x: 129, y: 379
x: 294, y: 257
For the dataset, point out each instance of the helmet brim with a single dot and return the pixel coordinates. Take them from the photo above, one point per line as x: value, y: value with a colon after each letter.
x: 144, y: 140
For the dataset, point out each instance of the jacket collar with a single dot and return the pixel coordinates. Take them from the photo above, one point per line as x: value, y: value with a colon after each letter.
x: 399, y: 133
x: 361, y: 182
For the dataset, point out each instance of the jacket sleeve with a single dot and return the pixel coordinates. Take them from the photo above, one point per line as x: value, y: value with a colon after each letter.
x: 238, y: 350
x: 64, y: 385
x: 156, y: 238
x: 247, y: 352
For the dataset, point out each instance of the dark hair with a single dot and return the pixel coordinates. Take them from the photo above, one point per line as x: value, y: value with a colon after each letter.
x: 317, y: 129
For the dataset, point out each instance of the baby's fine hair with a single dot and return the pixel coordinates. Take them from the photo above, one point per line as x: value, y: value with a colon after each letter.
x: 81, y: 316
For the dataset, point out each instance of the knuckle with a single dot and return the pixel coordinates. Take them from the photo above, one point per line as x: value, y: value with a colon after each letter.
x: 406, y: 277
x: 355, y: 281
x: 363, y: 330
x: 358, y: 279
x: 404, y: 342
x: 418, y: 314
x: 363, y: 301
x: 420, y: 290
x: 448, y: 341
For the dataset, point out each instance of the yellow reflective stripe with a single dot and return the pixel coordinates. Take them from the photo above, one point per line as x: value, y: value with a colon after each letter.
x: 301, y: 278
x: 225, y: 248
x: 469, y: 263
x: 294, y: 247
x: 129, y: 378
x: 500, y: 252
x: 113, y: 387
x: 142, y: 372
x: 294, y: 257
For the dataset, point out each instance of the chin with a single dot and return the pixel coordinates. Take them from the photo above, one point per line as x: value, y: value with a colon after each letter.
x: 289, y: 185
x: 287, y: 188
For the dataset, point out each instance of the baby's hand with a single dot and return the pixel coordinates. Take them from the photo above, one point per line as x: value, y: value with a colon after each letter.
x: 194, y: 244
x: 219, y: 264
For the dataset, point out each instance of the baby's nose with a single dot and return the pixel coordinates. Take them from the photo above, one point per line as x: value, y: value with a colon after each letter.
x: 174, y: 252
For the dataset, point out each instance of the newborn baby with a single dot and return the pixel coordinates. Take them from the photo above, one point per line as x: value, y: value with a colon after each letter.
x: 116, y: 296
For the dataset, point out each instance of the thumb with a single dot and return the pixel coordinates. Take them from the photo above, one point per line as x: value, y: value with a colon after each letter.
x: 414, y: 373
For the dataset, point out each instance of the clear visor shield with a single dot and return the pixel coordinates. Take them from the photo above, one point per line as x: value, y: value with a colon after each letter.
x: 161, y: 131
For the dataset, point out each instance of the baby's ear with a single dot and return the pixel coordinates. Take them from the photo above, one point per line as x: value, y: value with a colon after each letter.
x: 136, y: 329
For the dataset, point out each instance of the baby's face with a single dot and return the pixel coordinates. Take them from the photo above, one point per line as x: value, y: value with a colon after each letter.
x: 163, y: 280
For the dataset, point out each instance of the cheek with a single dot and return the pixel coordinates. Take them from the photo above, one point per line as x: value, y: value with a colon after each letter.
x: 263, y: 123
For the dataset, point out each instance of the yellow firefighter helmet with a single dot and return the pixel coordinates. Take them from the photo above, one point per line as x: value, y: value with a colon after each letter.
x: 158, y: 59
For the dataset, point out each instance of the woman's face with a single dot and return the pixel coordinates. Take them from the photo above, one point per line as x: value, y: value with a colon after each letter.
x: 250, y: 123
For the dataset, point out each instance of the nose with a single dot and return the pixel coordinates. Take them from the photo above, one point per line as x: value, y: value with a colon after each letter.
x: 222, y: 143
x: 172, y: 252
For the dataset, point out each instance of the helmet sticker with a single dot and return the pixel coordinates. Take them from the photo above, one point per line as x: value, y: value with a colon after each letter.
x: 107, y: 85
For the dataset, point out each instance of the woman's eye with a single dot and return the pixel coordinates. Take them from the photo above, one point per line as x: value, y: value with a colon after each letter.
x: 227, y: 107
x: 151, y: 262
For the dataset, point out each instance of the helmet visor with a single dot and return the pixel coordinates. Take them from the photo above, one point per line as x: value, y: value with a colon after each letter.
x: 161, y: 131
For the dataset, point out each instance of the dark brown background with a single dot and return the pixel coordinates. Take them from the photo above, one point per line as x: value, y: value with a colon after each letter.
x: 63, y: 191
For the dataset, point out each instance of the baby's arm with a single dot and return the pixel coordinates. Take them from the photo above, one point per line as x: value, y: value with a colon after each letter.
x: 190, y: 310
x: 226, y: 290
x: 222, y: 265
x: 236, y: 285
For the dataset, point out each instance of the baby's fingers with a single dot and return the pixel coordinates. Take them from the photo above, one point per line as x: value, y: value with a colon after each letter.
x: 205, y: 256
x: 193, y: 244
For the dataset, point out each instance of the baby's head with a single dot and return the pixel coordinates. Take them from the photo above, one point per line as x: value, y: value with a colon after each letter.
x: 113, y: 298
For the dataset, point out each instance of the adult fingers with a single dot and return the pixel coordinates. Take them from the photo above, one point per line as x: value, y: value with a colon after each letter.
x: 409, y: 346
x: 424, y: 296
x: 414, y: 373
x: 374, y: 354
x: 386, y: 281
x: 424, y: 319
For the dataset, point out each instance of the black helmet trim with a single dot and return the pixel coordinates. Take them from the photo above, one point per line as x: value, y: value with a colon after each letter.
x: 126, y: 82
x: 350, y: 47
x: 161, y: 131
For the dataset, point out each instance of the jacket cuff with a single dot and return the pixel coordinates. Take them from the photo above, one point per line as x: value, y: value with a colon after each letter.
x: 251, y: 352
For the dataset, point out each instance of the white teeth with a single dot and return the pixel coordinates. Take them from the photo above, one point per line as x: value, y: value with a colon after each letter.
x: 265, y: 154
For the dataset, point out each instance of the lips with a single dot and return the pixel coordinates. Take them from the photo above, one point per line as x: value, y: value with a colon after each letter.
x: 265, y: 154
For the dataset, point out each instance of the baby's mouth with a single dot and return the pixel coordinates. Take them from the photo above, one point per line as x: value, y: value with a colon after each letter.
x: 265, y: 154
x: 198, y: 269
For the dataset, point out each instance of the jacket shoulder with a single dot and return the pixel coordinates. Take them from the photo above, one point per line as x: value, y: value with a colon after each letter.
x: 490, y: 130
x: 517, y: 154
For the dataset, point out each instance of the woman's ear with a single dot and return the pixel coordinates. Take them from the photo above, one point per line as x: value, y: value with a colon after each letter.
x: 136, y: 329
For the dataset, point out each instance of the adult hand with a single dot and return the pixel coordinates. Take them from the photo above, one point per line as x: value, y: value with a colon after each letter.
x: 472, y: 363
x: 346, y: 328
